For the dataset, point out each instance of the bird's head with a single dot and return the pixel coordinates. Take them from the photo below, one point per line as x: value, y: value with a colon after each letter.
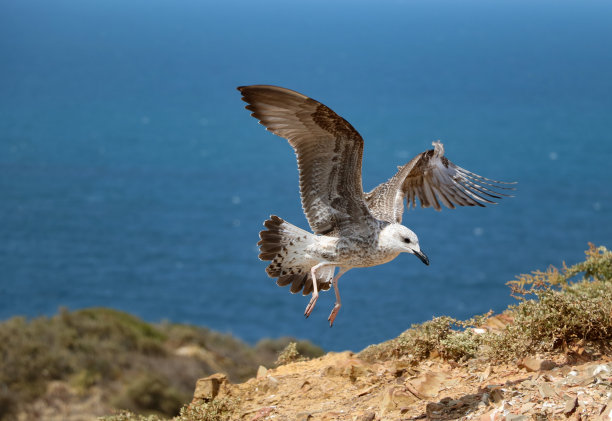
x: 402, y: 240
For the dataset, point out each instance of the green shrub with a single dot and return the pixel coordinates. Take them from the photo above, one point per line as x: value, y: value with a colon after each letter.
x: 136, y: 364
x: 130, y: 416
x: 289, y: 355
x: 269, y: 350
x: 578, y: 313
x: 138, y: 367
x: 8, y: 403
x: 151, y: 393
x: 218, y: 409
x: 555, y: 310
x: 436, y: 336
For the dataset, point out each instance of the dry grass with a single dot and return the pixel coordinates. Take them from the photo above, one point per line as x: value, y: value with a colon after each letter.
x: 556, y: 310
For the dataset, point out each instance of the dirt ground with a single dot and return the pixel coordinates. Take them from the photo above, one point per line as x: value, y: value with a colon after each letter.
x: 341, y: 386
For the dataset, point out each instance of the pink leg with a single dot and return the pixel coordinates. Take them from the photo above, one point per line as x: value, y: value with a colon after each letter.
x: 338, y: 303
x: 315, y: 291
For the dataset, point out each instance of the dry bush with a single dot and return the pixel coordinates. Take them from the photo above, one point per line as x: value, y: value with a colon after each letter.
x: 556, y: 309
x: 134, y: 362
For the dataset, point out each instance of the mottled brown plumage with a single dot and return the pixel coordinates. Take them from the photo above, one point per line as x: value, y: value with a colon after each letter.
x: 351, y: 228
x: 431, y: 178
x: 328, y: 150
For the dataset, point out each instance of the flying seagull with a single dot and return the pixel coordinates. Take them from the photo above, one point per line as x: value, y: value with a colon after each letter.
x: 350, y: 228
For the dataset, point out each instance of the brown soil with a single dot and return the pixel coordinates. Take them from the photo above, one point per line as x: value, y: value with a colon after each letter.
x: 341, y: 386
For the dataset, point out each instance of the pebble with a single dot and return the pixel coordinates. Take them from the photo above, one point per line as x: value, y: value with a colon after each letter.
x: 208, y: 388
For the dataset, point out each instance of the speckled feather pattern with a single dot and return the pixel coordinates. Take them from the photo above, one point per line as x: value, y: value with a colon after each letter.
x: 351, y: 228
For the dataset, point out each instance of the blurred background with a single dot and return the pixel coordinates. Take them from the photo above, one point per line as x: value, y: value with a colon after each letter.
x: 131, y: 176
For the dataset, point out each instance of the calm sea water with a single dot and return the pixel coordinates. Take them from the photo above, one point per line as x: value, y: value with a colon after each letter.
x: 132, y: 177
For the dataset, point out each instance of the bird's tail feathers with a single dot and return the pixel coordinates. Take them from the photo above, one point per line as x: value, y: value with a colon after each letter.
x: 283, y: 244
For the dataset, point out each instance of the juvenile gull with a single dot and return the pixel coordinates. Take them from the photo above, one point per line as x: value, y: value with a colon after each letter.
x: 350, y: 228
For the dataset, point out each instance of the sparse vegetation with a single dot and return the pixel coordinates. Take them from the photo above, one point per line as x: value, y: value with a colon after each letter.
x: 152, y: 369
x: 435, y: 337
x: 284, y: 350
x: 289, y: 355
x: 555, y: 310
x: 150, y: 392
x: 145, y: 368
x: 215, y: 410
x: 562, y: 313
x: 130, y: 416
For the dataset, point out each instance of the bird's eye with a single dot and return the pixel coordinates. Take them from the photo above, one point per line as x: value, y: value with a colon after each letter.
x: 407, y: 240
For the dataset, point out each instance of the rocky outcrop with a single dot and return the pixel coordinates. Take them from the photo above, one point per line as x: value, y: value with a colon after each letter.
x: 341, y: 386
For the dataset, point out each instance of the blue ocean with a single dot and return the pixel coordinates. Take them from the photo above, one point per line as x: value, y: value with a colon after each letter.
x: 132, y: 177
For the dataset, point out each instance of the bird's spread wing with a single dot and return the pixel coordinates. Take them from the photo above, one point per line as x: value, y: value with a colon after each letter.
x: 328, y: 149
x: 433, y: 179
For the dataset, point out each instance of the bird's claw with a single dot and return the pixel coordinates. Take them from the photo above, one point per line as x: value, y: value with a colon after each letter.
x: 333, y: 314
x: 310, y: 306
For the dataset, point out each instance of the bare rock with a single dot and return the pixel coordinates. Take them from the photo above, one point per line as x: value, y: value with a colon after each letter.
x: 263, y: 413
x: 528, y: 406
x: 536, y: 364
x: 600, y: 369
x: 209, y: 387
x: 514, y: 417
x: 353, y: 368
x: 270, y: 384
x: 394, y: 398
x: 400, y: 368
x: 262, y: 372
x: 325, y: 389
x: 448, y: 408
x: 492, y: 415
x: 368, y: 416
x: 496, y: 395
x: 485, y: 374
x: 546, y: 390
x: 606, y: 413
x: 570, y: 406
x: 306, y: 386
x: 429, y: 384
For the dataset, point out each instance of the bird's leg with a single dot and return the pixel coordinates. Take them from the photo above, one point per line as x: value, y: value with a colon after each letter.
x: 338, y: 304
x: 315, y: 291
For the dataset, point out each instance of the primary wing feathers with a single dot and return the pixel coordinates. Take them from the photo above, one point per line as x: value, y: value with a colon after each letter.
x: 329, y: 152
x: 433, y: 179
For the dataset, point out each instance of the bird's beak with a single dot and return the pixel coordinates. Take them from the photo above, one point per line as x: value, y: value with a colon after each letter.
x: 422, y: 256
